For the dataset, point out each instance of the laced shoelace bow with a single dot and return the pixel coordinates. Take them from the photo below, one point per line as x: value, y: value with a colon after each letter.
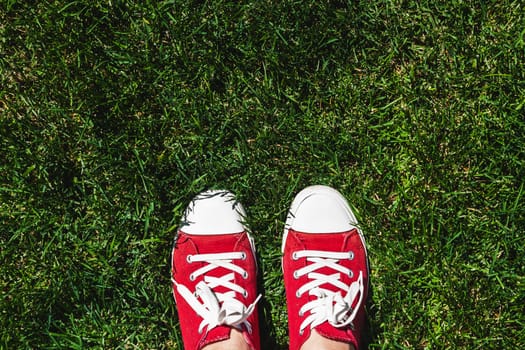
x: 328, y: 306
x: 218, y: 309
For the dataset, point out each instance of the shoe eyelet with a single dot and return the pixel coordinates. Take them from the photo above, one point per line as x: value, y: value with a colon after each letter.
x: 351, y: 255
x: 192, y: 277
x: 243, y: 256
x: 301, y: 314
x: 245, y: 275
x: 301, y: 331
x: 295, y: 275
x: 297, y: 294
x: 351, y: 274
x: 294, y: 256
x: 245, y: 294
x: 188, y: 259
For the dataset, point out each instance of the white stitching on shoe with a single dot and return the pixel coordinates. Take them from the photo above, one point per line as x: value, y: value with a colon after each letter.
x: 218, y: 308
x: 328, y: 306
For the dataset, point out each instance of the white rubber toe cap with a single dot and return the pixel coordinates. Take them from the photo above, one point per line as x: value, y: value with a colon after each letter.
x: 320, y: 209
x: 213, y: 212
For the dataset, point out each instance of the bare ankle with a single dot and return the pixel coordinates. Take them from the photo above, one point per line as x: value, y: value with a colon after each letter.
x: 318, y: 342
x: 235, y: 342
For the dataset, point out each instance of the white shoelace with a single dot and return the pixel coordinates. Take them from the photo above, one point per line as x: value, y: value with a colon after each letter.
x: 329, y: 306
x: 218, y: 309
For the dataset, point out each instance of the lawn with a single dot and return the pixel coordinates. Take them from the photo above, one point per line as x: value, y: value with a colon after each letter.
x: 114, y: 114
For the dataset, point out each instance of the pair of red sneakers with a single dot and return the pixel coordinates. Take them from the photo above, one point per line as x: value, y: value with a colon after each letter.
x: 324, y: 262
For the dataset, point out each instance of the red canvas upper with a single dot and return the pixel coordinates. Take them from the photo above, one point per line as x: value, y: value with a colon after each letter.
x: 187, y: 244
x: 331, y: 242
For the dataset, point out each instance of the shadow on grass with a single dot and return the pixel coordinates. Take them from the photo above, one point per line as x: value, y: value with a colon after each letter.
x: 267, y: 329
x: 373, y: 330
x: 266, y: 324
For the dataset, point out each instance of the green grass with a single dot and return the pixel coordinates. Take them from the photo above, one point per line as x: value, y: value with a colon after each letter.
x: 113, y: 115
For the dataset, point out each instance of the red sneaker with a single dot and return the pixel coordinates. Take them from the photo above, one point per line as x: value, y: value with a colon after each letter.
x: 214, y: 272
x: 325, y: 268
